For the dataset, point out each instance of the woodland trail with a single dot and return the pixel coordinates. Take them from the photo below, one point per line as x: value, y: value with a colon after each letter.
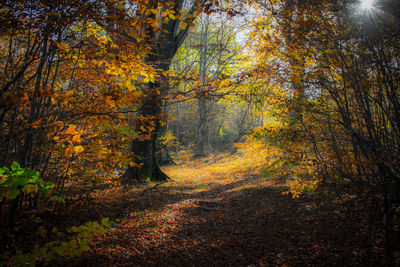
x: 233, y: 219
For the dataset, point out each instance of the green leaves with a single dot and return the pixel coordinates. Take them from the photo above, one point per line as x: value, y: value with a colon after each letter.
x: 12, y: 194
x: 19, y: 180
x: 90, y: 228
x: 15, y: 166
x: 56, y: 249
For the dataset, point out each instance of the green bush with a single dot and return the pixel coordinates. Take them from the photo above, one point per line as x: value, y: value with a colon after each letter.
x: 17, y: 182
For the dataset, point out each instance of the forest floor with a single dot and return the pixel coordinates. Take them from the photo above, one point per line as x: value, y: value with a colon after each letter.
x: 218, y: 211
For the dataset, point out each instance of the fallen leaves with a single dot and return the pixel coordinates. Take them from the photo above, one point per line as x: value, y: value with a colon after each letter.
x: 212, y: 214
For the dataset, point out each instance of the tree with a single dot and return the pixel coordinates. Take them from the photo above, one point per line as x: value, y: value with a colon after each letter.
x: 345, y: 58
x: 212, y: 54
x: 165, y: 26
x: 65, y: 88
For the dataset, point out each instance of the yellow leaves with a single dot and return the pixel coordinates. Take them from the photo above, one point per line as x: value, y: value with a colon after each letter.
x: 168, y: 14
x: 184, y: 25
x: 171, y: 16
x: 147, y: 128
x: 297, y: 186
x: 146, y: 79
x: 171, y: 118
x: 62, y: 46
x: 168, y: 138
x: 79, y: 149
x: 70, y: 150
x: 76, y: 138
x: 155, y: 24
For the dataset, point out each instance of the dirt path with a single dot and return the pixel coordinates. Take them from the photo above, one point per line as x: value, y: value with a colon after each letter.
x: 235, y: 221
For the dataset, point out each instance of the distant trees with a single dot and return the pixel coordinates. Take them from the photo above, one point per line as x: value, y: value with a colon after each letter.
x: 209, y: 56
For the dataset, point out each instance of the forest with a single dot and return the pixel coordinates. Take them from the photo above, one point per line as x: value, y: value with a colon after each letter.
x: 199, y: 133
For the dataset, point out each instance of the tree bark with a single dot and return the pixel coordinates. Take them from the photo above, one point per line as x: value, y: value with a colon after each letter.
x: 162, y: 155
x: 164, y: 47
x: 202, y: 130
x: 144, y: 146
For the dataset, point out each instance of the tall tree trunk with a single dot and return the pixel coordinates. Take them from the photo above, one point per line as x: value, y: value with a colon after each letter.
x: 163, y: 157
x: 26, y: 150
x: 164, y: 47
x: 202, y: 127
x: 177, y: 130
x: 202, y: 101
x: 144, y: 146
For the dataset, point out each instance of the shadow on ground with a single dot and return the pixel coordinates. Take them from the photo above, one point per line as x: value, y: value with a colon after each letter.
x: 228, y: 225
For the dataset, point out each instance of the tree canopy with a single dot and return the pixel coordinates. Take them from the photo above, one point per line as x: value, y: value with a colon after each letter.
x: 299, y: 98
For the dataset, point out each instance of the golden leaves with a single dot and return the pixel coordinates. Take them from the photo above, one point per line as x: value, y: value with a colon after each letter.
x: 71, y: 130
x: 70, y: 150
x: 77, y: 138
x: 67, y: 97
x: 184, y: 25
x: 79, y: 149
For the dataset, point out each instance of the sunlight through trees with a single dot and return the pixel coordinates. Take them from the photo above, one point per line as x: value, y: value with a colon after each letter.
x: 142, y: 111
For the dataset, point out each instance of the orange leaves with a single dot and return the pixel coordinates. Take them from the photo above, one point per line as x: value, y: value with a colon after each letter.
x: 71, y: 130
x: 67, y: 97
x: 24, y: 97
x: 71, y: 136
x: 184, y: 25
x: 70, y: 150
x: 191, y: 24
x: 110, y: 102
x: 164, y: 14
x: 77, y: 138
x: 76, y: 135
x: 36, y: 123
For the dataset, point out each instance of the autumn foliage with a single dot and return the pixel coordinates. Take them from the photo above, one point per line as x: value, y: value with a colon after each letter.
x: 294, y: 99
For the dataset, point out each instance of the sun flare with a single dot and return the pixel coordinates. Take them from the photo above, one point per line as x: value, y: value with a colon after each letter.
x: 366, y: 4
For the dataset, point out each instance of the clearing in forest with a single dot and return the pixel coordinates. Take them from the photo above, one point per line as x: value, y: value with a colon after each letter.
x: 220, y: 211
